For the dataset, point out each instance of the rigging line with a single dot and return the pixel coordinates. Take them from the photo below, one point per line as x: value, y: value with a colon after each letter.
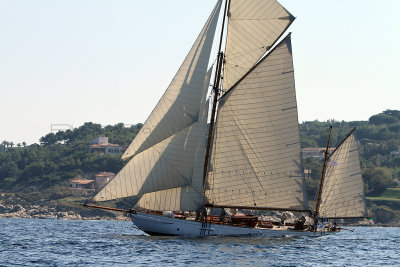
x: 321, y: 183
x: 348, y: 135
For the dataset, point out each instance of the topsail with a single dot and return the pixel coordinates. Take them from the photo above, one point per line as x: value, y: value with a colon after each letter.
x: 254, y: 26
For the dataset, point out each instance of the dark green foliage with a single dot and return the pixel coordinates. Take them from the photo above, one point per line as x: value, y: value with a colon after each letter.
x: 60, y: 157
x: 377, y: 179
x: 393, y: 113
x: 314, y: 167
x: 380, y: 119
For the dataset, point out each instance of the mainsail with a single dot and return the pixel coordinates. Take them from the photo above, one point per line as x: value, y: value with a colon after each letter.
x: 254, y: 26
x: 343, y: 190
x: 256, y: 153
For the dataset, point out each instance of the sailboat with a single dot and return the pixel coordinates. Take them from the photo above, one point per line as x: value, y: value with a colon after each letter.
x: 243, y: 155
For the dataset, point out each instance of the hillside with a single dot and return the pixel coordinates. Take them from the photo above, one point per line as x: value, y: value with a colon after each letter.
x: 41, y: 173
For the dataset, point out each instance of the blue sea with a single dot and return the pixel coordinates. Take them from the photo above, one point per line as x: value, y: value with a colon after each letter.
x: 48, y: 242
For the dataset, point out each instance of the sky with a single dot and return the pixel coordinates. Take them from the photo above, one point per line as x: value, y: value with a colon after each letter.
x: 74, y: 61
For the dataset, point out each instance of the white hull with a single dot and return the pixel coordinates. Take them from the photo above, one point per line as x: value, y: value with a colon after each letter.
x: 160, y: 225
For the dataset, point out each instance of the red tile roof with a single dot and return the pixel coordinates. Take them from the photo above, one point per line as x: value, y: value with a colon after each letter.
x: 103, y: 145
x: 105, y: 174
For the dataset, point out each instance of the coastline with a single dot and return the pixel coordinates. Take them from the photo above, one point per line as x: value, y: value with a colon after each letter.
x: 12, y: 206
x: 60, y: 216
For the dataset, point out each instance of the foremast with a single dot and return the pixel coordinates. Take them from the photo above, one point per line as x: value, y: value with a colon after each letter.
x: 321, y: 181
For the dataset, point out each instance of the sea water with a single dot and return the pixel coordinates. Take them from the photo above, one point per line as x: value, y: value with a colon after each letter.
x: 49, y: 242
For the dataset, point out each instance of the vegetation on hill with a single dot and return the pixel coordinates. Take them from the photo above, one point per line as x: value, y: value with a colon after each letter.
x: 40, y: 170
x: 60, y: 157
x: 377, y: 138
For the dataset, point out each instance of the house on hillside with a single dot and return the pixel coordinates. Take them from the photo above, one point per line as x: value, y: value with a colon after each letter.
x: 82, y: 187
x: 395, y: 153
x: 101, y: 145
x: 102, y: 178
x: 315, y: 152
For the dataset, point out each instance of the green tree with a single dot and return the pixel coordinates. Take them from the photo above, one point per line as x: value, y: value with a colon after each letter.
x: 380, y: 119
x: 377, y: 179
x: 393, y: 113
x: 48, y: 140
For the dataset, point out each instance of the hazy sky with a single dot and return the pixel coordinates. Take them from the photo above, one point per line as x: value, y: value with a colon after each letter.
x: 73, y: 61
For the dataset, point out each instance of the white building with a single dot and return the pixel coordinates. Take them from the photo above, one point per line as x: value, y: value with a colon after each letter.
x: 82, y: 187
x: 396, y: 152
x: 315, y: 152
x: 102, y: 178
x: 101, y: 145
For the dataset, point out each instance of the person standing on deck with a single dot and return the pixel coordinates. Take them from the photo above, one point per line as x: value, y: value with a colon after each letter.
x: 283, y: 219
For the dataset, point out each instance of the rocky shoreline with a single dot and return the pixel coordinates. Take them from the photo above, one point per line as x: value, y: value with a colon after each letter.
x: 51, y: 210
x: 37, y: 212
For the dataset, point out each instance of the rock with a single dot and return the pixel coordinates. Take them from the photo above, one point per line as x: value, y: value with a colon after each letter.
x: 16, y: 208
x: 383, y: 216
x: 3, y: 209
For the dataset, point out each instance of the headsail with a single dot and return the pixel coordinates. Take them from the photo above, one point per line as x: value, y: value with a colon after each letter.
x: 167, y: 157
x: 256, y: 153
x: 254, y: 26
x: 179, y: 106
x: 343, y: 190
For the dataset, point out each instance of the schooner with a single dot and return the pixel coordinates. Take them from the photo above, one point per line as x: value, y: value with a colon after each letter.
x: 236, y: 147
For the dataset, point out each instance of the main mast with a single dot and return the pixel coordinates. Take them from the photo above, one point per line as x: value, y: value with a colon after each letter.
x: 217, y: 80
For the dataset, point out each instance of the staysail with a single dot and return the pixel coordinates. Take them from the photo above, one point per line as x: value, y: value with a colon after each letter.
x: 256, y: 153
x: 179, y: 106
x: 188, y: 198
x: 254, y: 26
x: 161, y: 170
x: 343, y: 190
